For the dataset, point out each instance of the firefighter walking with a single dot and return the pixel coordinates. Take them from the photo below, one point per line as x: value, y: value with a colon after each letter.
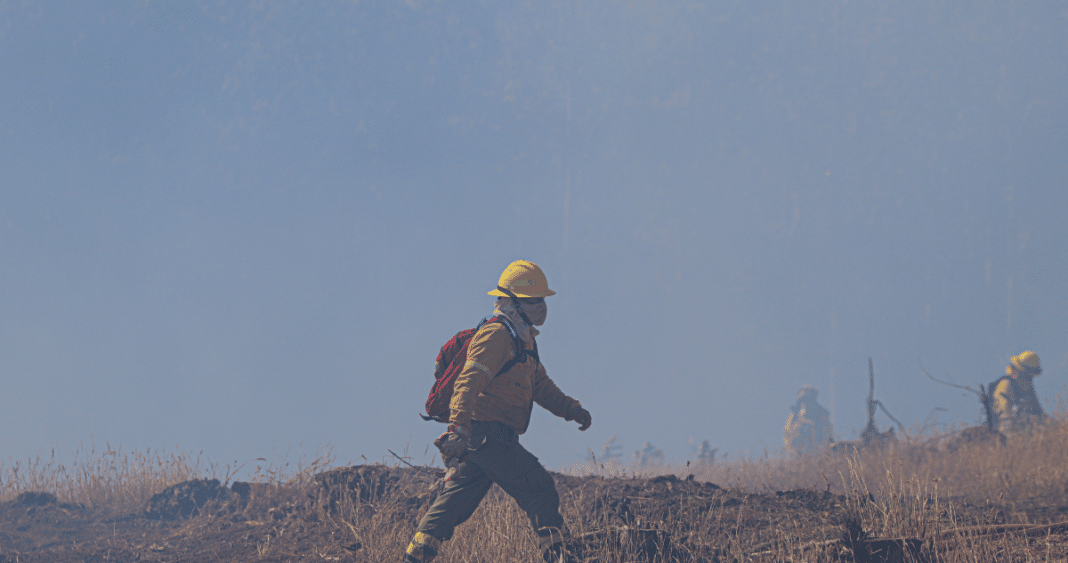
x: 489, y: 410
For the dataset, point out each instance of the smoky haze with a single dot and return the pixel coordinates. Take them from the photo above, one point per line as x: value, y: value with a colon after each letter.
x: 245, y: 228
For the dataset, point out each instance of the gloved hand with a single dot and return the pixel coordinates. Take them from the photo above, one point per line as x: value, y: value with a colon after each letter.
x: 453, y: 445
x: 581, y: 416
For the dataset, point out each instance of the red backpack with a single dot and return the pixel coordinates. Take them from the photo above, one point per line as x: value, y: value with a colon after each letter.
x: 451, y: 361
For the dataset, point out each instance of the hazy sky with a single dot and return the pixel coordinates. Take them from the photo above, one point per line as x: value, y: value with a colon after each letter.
x: 245, y: 228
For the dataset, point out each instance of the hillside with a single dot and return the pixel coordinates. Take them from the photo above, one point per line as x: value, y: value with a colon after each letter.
x: 957, y: 496
x: 366, y: 513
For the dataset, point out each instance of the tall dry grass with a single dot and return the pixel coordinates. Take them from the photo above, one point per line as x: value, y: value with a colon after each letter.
x: 1023, y: 468
x: 923, y: 486
x: 114, y: 479
x: 108, y: 478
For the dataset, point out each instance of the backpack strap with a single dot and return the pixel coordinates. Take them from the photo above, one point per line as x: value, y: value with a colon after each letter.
x: 515, y: 301
x: 521, y: 353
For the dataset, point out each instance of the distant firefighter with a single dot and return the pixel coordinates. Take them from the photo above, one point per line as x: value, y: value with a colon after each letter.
x: 1016, y: 407
x: 808, y: 428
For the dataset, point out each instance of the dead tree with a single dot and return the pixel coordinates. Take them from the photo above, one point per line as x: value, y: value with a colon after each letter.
x: 871, y: 433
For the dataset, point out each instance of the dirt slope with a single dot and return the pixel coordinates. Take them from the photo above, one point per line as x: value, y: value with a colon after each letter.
x: 330, y: 519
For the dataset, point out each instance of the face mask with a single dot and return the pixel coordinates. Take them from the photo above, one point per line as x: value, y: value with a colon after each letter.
x: 536, y: 313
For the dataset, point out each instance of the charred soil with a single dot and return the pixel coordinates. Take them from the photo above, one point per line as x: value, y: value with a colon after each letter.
x: 367, y: 513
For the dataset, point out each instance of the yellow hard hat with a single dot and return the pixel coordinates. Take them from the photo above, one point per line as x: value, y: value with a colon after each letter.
x: 524, y: 279
x: 1027, y: 363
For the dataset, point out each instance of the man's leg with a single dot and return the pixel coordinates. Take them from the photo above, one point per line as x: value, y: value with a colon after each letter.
x: 522, y: 476
x: 453, y: 506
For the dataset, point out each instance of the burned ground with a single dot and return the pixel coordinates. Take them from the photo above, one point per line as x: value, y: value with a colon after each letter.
x: 367, y: 513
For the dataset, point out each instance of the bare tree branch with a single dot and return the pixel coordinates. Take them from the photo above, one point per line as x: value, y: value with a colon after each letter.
x: 400, y: 458
x: 887, y: 413
x: 949, y: 383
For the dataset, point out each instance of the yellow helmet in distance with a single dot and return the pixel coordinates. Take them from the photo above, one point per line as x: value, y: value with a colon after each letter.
x: 1027, y: 363
x: 524, y: 279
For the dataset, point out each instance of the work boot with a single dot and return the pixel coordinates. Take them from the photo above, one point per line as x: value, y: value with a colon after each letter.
x: 551, y: 542
x: 422, y: 549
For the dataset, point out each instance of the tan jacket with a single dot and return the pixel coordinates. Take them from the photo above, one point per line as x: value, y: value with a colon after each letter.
x: 509, y: 397
x: 808, y: 429
x: 1016, y: 405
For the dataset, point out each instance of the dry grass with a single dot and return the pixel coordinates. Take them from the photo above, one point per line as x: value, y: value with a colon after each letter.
x: 1023, y: 469
x: 934, y: 487
x: 943, y: 494
x: 110, y: 478
x: 122, y: 482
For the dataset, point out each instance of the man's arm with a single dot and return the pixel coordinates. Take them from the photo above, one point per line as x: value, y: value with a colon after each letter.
x: 550, y: 397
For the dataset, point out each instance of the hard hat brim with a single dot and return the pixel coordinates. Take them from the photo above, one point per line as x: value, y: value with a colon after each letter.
x: 1018, y: 362
x: 1025, y: 369
x: 499, y: 293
